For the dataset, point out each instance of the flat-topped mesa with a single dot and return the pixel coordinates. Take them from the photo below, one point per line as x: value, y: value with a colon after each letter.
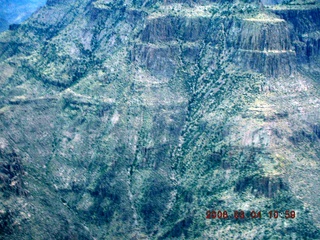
x: 186, y: 2
x: 178, y: 22
x: 159, y: 50
x: 264, y: 45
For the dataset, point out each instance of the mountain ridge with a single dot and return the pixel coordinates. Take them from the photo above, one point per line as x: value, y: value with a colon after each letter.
x: 132, y: 119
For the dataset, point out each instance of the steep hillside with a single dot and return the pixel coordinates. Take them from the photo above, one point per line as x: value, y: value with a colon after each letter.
x: 132, y: 119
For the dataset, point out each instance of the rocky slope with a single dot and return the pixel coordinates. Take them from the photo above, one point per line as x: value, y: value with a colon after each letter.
x: 131, y: 119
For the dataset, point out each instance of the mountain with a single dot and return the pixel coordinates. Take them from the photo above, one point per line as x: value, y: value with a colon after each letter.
x: 132, y: 119
x: 16, y: 11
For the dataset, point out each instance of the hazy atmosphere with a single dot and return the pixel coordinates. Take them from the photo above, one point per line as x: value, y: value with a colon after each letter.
x: 160, y: 119
x: 16, y: 11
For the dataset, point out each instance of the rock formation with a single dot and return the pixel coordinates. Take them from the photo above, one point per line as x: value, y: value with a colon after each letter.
x: 132, y: 119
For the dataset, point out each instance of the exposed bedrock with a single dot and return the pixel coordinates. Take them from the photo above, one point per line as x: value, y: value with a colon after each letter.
x: 264, y: 36
x: 167, y: 39
x: 131, y: 123
x: 311, y: 46
x: 170, y: 28
x: 264, y: 46
x: 261, y: 185
x: 258, y: 44
x: 271, y: 64
x: 303, y: 20
x: 305, y: 33
x: 160, y: 61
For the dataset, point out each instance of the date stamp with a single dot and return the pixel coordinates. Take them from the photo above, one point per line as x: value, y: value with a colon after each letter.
x: 239, y: 214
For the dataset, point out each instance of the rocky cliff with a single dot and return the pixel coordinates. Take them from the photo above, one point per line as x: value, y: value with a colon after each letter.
x: 131, y: 119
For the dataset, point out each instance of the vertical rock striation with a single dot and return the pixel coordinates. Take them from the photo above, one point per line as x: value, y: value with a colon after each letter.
x: 265, y: 46
x: 131, y: 119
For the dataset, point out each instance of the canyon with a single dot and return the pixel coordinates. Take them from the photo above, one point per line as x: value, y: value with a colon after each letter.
x: 131, y: 119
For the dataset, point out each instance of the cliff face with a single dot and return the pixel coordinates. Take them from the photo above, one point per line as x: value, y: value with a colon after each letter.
x: 305, y: 31
x: 131, y: 119
x: 265, y: 46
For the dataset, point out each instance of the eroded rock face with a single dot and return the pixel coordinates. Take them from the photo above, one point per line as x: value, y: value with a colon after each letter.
x: 131, y: 119
x: 265, y: 46
x: 305, y: 32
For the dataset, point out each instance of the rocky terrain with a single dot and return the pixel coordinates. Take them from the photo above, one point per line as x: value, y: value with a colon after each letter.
x: 131, y: 119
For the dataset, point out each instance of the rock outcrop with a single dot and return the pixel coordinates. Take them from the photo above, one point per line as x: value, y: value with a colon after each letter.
x: 305, y: 30
x: 131, y: 119
x: 265, y: 46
